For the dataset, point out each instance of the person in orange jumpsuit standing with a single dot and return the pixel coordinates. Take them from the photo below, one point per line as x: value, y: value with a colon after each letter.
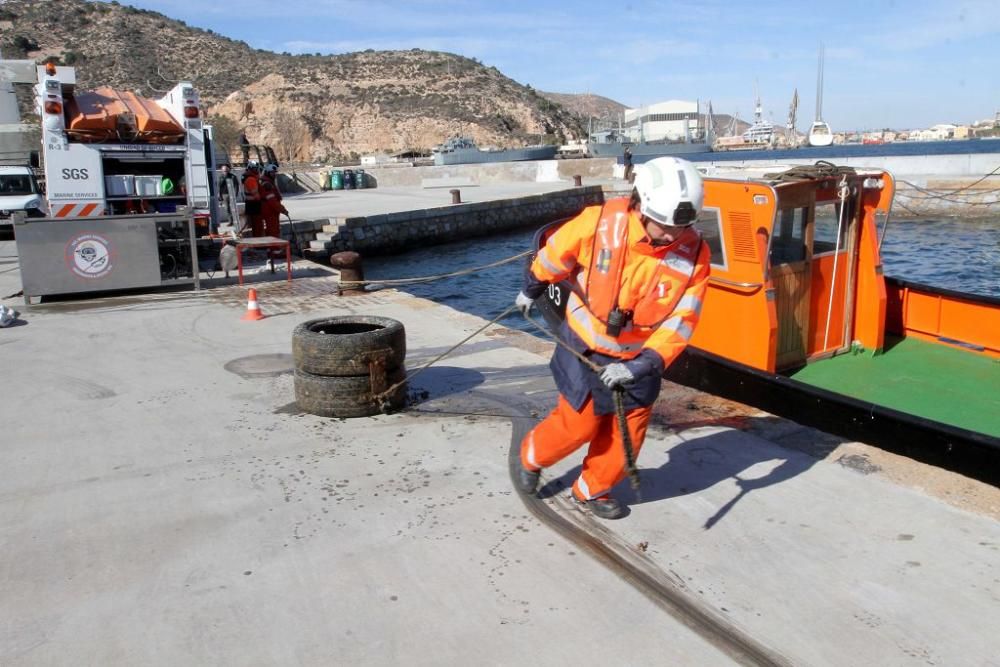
x: 251, y: 195
x: 639, y: 271
x: 270, y: 202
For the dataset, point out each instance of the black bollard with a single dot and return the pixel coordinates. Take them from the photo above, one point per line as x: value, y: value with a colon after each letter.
x: 456, y: 196
x: 349, y: 265
x: 577, y: 181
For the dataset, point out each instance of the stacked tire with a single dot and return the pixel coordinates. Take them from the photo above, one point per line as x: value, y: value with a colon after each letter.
x: 344, y: 365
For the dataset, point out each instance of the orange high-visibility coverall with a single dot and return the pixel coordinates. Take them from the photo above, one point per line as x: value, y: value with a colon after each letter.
x: 606, y: 253
x: 270, y: 206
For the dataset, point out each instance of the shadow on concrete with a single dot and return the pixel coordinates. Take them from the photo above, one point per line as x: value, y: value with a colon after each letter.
x: 702, y: 462
x: 441, y: 381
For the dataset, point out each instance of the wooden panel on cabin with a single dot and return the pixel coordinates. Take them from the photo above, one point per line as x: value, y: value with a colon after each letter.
x: 791, y: 276
x: 791, y: 290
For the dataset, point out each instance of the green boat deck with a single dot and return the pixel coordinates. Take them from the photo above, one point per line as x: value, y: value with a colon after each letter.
x: 932, y: 381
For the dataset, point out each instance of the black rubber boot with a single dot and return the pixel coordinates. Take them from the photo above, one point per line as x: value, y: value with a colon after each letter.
x: 527, y: 481
x: 606, y: 507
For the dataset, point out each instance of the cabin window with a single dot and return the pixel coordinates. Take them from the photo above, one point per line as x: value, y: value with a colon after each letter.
x: 710, y: 225
x: 825, y: 233
x: 788, y: 244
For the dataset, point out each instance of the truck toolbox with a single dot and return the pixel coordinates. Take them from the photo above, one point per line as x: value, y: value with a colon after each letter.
x: 148, y: 186
x: 120, y: 185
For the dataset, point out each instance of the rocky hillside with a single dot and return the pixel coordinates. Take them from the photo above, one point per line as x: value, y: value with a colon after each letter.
x: 586, y: 105
x: 308, y: 107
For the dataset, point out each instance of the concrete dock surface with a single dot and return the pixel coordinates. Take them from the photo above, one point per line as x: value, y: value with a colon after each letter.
x: 164, y: 502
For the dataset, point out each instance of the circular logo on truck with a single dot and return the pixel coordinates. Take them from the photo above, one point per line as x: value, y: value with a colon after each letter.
x: 90, y: 256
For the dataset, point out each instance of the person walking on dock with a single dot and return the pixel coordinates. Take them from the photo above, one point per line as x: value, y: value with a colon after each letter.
x: 627, y: 161
x: 639, y: 271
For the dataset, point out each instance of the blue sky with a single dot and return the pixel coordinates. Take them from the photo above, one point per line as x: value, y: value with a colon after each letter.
x: 889, y: 63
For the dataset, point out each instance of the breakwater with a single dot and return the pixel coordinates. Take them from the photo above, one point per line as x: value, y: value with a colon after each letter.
x: 404, y: 230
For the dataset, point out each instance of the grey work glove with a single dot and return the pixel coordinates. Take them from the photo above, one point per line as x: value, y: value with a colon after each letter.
x: 523, y: 303
x: 616, y: 374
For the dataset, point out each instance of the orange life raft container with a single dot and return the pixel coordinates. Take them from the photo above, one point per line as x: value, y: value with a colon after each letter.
x: 107, y: 114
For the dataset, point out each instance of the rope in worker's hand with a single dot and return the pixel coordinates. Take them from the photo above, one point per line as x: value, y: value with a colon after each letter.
x: 618, y: 392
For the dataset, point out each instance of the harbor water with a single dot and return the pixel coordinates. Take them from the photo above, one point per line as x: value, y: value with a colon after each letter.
x: 810, y: 154
x: 957, y: 254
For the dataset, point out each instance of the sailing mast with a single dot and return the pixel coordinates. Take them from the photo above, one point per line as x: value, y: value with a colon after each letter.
x: 820, y: 133
x: 710, y: 127
x: 819, y: 84
x: 792, y: 110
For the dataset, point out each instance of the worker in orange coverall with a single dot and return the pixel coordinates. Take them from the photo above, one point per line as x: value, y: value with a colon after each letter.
x: 639, y: 272
x: 270, y: 202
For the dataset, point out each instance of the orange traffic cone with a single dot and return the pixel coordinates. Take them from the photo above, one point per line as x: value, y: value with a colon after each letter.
x: 253, y: 309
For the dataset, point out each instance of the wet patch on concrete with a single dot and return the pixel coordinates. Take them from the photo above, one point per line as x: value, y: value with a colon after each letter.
x: 261, y: 366
x: 85, y: 389
x: 859, y: 462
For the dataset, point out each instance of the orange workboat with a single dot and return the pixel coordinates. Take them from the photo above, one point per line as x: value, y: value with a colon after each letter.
x: 800, y: 321
x: 107, y: 114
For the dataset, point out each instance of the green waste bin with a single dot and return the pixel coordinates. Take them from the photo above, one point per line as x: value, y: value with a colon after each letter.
x: 337, y: 180
x: 359, y: 179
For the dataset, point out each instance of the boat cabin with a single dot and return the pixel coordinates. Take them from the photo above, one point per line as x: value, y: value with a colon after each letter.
x: 796, y: 273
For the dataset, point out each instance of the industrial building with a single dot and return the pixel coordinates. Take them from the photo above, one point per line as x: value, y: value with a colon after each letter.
x: 673, y: 120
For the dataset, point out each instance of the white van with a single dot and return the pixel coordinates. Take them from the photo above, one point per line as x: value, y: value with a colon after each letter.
x: 19, y: 192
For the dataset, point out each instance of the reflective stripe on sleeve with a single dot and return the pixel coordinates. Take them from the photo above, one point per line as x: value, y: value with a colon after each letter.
x: 549, y: 265
x: 690, y: 302
x: 678, y: 326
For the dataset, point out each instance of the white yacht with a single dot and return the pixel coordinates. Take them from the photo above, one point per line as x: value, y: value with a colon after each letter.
x: 761, y: 133
x: 820, y: 133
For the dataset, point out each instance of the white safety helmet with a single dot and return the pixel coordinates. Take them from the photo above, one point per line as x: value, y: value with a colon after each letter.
x: 670, y: 191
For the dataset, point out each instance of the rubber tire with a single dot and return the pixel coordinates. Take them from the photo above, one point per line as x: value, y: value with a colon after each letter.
x: 347, y: 354
x: 344, y: 396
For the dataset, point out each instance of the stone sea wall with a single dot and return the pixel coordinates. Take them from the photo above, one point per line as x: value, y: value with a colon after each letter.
x: 948, y: 197
x: 395, y: 232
